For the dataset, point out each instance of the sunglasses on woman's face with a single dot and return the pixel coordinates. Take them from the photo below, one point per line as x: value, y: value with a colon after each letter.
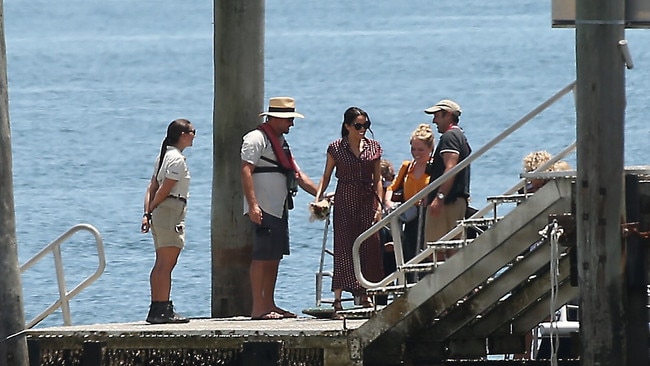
x: 358, y: 126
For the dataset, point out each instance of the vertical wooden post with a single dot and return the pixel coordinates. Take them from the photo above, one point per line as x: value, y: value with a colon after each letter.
x: 34, y: 352
x: 261, y: 353
x: 238, y: 99
x: 12, y: 318
x: 600, y: 107
x: 92, y: 353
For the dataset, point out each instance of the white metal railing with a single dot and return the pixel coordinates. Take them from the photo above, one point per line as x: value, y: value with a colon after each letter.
x: 392, y: 218
x: 321, y: 267
x: 64, y: 296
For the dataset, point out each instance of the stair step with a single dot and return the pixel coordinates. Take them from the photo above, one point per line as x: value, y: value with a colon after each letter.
x: 419, y: 267
x: 479, y: 221
x: 389, y: 290
x: 509, y: 198
x: 359, y: 312
x: 449, y: 244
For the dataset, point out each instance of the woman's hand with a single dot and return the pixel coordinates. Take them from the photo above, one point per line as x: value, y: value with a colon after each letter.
x: 329, y: 196
x: 378, y: 215
x: 146, y: 223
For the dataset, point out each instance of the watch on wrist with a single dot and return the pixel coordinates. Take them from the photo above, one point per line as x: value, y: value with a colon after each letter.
x: 441, y: 195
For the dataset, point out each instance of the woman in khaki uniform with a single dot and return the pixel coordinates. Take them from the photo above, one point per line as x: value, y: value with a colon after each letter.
x: 164, y: 213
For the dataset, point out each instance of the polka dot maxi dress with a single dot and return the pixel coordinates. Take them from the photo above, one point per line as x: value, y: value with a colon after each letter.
x: 355, y: 204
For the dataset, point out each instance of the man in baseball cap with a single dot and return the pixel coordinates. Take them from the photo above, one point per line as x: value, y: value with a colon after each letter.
x: 449, y: 202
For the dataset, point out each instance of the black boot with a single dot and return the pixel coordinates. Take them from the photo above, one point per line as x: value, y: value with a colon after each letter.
x: 156, y: 312
x: 171, y: 316
x: 162, y: 312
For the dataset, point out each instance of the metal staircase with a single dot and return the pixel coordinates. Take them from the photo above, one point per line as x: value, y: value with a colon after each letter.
x: 493, y: 290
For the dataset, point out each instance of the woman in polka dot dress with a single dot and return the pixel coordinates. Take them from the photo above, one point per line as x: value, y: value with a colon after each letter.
x: 357, y: 206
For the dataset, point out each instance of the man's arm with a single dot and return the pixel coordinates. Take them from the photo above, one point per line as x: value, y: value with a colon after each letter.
x: 450, y: 159
x: 306, y: 183
x: 254, y: 210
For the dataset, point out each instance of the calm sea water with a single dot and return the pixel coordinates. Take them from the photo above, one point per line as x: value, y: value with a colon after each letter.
x: 93, y: 85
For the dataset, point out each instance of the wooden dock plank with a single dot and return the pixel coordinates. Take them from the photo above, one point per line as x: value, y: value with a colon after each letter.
x: 233, y: 327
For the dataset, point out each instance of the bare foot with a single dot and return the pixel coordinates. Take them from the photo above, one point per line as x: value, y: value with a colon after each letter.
x: 271, y: 315
x: 285, y: 313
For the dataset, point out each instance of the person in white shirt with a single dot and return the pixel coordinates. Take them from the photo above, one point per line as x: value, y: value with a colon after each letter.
x: 165, y: 204
x: 270, y: 177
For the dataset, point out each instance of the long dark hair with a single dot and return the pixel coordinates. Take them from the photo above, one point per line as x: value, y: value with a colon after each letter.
x: 174, y: 132
x: 349, y: 116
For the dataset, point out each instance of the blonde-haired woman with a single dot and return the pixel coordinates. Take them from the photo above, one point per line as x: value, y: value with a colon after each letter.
x: 412, y: 178
x: 536, y: 159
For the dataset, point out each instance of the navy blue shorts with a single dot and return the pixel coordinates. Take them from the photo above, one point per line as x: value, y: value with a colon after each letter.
x: 271, y: 238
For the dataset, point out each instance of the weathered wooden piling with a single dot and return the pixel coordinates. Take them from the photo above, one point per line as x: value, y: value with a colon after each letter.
x: 238, y: 98
x: 600, y: 104
x: 13, y: 351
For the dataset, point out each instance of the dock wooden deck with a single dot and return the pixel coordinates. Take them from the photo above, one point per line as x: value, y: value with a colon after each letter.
x: 233, y: 341
x: 227, y: 341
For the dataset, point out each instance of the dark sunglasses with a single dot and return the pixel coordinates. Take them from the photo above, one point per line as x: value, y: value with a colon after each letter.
x: 358, y: 126
x: 192, y: 131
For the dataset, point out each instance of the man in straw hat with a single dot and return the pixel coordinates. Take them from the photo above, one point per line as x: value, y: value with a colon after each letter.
x: 270, y: 177
x: 449, y: 202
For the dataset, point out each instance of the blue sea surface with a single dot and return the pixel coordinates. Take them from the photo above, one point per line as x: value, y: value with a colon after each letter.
x: 93, y: 85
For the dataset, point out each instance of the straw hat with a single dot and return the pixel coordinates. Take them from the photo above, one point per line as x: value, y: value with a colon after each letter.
x: 282, y: 107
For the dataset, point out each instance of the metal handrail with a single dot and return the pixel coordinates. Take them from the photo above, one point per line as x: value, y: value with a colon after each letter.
x: 321, y: 272
x: 392, y: 218
x: 64, y: 296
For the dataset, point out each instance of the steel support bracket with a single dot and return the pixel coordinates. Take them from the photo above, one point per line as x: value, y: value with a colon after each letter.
x: 632, y: 228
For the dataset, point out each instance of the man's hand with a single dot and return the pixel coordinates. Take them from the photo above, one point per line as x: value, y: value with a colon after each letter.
x: 255, y: 214
x: 435, y: 208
